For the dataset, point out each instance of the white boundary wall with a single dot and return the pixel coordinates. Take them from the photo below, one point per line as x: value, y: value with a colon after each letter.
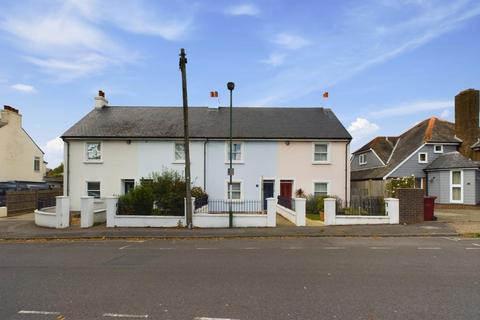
x: 391, y: 217
x: 200, y: 220
x: 296, y: 216
x: 114, y: 220
x: 3, y: 212
x: 240, y: 220
x: 89, y: 215
x: 60, y: 218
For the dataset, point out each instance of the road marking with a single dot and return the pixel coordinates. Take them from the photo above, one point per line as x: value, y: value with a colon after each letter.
x: 124, y: 247
x: 429, y: 248
x: 206, y: 248
x: 119, y: 315
x: 334, y: 248
x: 476, y: 248
x: 207, y: 318
x: 292, y: 248
x: 452, y: 238
x: 250, y: 248
x: 166, y: 248
x: 380, y: 248
x: 37, y: 312
x: 476, y: 244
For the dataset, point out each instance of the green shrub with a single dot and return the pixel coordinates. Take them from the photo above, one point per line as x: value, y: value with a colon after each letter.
x: 138, y: 201
x: 395, y: 183
x: 198, y: 192
x: 315, y: 204
x: 159, y: 194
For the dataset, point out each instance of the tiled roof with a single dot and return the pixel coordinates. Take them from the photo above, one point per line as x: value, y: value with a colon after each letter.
x: 167, y: 122
x: 431, y: 130
x: 452, y: 160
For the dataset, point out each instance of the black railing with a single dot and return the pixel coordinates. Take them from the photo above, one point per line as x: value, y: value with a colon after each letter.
x: 286, y: 202
x: 223, y: 206
x: 366, y: 206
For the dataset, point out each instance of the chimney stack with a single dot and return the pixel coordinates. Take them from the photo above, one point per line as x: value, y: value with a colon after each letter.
x: 100, y: 101
x: 214, y: 100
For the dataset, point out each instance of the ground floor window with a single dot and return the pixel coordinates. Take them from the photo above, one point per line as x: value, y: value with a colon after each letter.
x: 320, y: 188
x: 234, y: 190
x: 456, y: 186
x: 128, y: 185
x: 93, y: 189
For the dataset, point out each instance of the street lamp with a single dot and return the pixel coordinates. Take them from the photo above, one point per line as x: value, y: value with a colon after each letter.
x: 230, y: 87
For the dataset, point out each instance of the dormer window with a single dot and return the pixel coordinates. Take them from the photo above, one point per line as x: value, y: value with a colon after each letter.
x: 423, y: 157
x: 438, y: 148
x: 362, y: 159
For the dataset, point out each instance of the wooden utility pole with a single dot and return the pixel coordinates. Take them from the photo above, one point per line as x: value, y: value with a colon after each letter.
x: 188, y: 204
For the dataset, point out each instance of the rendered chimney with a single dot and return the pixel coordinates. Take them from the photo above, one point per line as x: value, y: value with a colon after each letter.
x: 100, y: 101
x: 214, y: 101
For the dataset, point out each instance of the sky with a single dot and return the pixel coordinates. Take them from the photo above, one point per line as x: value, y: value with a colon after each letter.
x: 386, y: 64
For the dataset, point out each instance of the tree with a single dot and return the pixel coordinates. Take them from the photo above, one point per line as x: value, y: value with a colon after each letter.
x: 57, y: 172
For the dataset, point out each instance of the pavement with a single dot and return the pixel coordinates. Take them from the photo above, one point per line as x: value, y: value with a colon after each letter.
x: 24, y: 228
x: 200, y: 279
x: 464, y: 221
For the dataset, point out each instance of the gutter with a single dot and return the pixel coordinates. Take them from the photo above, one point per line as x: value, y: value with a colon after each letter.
x: 205, y: 165
x: 346, y: 170
x: 68, y: 167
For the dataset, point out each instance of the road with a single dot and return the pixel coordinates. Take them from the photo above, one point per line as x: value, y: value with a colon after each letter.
x: 301, y: 278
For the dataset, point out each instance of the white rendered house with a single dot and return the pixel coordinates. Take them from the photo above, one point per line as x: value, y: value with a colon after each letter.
x: 276, y: 151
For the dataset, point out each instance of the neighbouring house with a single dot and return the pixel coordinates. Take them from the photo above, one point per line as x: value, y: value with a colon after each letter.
x: 21, y: 159
x: 440, y: 155
x: 276, y: 151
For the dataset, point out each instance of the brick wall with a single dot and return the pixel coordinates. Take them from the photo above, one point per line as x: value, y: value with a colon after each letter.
x: 411, y: 205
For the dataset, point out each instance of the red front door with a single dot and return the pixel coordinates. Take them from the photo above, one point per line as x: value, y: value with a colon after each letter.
x: 286, y: 188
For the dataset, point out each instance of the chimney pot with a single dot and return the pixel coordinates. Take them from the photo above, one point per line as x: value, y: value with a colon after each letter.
x: 100, y: 101
x: 101, y: 93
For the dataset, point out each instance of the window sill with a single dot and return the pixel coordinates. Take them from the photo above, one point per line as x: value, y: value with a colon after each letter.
x: 179, y: 162
x: 90, y: 161
x: 321, y: 162
x: 235, y: 162
x: 423, y: 162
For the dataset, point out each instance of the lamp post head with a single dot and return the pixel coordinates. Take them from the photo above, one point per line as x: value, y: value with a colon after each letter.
x: 230, y: 86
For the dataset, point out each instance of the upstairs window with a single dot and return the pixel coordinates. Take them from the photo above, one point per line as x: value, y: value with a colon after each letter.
x: 237, y: 151
x: 362, y: 159
x: 93, y: 151
x: 36, y: 164
x: 423, y: 157
x: 438, y: 148
x: 179, y: 152
x: 320, y: 152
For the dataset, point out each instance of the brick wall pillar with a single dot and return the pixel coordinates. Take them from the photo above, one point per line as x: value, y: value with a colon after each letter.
x: 411, y: 205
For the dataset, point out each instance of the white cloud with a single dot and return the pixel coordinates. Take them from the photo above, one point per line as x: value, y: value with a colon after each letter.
x: 369, y: 33
x: 362, y: 130
x: 53, y: 152
x: 291, y: 41
x: 412, y: 108
x: 73, y: 36
x: 25, y: 88
x: 445, y: 114
x: 246, y: 9
x: 275, y: 59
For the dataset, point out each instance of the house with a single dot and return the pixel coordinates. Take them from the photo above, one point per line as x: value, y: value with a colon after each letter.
x: 276, y: 151
x: 21, y: 158
x: 431, y: 151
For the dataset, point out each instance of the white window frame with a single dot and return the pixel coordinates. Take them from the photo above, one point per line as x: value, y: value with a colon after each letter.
x: 227, y: 182
x: 435, y: 148
x: 86, y: 152
x: 316, y: 182
x: 456, y: 186
x: 94, y: 181
x: 420, y: 155
x: 242, y: 151
x: 175, y: 160
x: 35, y: 159
x: 364, y: 157
x: 328, y: 152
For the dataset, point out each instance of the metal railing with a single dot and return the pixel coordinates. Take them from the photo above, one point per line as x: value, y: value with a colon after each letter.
x: 286, y: 202
x: 361, y: 206
x: 46, y: 203
x: 223, y: 206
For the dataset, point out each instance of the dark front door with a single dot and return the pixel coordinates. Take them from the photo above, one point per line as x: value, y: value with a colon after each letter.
x: 267, y: 191
x: 286, y: 188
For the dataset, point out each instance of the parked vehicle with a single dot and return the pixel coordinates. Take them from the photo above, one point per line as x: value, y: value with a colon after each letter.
x: 19, y: 186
